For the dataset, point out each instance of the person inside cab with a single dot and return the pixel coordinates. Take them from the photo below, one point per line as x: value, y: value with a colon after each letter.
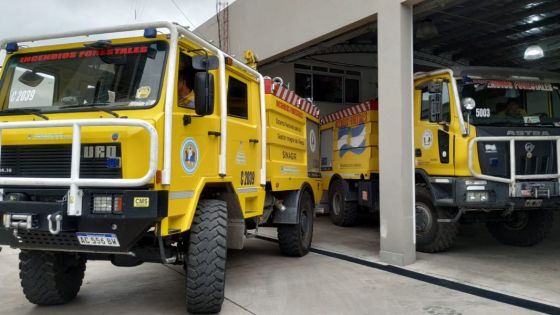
x: 512, y: 109
x: 185, y: 88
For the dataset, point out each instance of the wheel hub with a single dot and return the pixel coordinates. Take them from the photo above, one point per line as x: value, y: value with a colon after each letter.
x: 336, y: 204
x: 424, y: 220
x: 519, y: 221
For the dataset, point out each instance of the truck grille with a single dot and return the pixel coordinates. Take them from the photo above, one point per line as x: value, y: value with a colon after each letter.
x: 494, y: 158
x: 540, y: 160
x: 52, y: 161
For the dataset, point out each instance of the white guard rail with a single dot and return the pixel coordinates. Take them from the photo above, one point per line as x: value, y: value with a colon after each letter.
x: 75, y: 182
x: 513, y: 175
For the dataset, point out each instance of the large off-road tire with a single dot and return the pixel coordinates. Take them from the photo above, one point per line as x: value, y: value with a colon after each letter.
x: 206, y: 260
x: 295, y: 239
x: 432, y: 236
x: 524, y: 228
x: 342, y: 212
x: 51, y: 278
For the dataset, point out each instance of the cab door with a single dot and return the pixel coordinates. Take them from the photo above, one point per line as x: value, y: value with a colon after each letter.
x: 244, y: 140
x: 433, y: 118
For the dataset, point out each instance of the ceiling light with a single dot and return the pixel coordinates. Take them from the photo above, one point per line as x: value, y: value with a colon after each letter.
x: 533, y: 52
x: 426, y: 30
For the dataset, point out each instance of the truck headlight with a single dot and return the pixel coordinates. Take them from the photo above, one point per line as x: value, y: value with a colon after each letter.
x: 104, y: 204
x: 477, y: 196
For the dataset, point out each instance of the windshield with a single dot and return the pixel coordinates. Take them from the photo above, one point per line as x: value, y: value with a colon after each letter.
x: 511, y: 103
x: 125, y: 75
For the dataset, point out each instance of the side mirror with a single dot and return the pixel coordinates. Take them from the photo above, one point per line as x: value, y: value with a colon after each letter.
x: 205, y: 63
x: 30, y: 78
x: 468, y: 103
x: 435, y: 107
x: 204, y: 93
x: 435, y: 101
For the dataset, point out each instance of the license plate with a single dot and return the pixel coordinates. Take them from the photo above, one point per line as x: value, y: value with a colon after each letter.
x: 98, y: 239
x: 533, y: 203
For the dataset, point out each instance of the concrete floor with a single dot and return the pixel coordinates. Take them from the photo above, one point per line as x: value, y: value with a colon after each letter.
x: 259, y: 281
x: 476, y: 259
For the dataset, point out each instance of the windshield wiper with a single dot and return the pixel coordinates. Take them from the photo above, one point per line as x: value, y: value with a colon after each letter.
x: 28, y: 111
x: 101, y: 109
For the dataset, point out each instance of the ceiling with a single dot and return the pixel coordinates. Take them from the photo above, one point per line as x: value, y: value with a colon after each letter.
x: 481, y: 33
x: 492, y: 32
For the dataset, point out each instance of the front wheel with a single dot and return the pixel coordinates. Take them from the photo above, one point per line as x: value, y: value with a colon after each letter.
x: 295, y: 239
x: 51, y: 278
x: 206, y: 261
x: 431, y: 235
x: 524, y: 228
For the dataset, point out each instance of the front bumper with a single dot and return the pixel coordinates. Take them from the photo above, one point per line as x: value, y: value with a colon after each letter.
x: 527, y: 195
x: 34, y: 233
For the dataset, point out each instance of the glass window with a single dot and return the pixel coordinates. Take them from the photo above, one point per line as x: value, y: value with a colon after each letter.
x: 237, y: 101
x: 445, y: 103
x: 425, y: 106
x: 520, y: 103
x: 327, y: 88
x: 556, y: 103
x: 352, y: 91
x: 298, y: 66
x: 124, y: 75
x: 23, y: 95
x: 303, y: 85
x: 538, y: 101
x: 338, y: 86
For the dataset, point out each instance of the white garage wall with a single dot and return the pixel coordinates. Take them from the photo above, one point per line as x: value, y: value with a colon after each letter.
x: 275, y: 28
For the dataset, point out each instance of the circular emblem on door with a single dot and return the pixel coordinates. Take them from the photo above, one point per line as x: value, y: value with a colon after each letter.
x: 312, y: 140
x: 189, y: 155
x: 427, y: 139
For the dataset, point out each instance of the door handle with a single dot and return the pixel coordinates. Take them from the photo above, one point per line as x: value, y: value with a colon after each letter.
x: 418, y: 152
x: 254, y: 141
x: 214, y: 133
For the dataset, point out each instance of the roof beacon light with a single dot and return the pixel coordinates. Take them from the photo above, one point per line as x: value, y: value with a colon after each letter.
x: 150, y: 32
x: 533, y: 52
x: 11, y: 47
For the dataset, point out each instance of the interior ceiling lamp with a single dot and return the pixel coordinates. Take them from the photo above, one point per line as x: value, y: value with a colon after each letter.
x: 426, y: 29
x: 533, y: 52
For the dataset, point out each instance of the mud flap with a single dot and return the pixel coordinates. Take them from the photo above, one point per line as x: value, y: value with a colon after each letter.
x: 290, y: 200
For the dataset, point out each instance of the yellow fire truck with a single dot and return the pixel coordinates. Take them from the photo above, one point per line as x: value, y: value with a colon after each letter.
x: 100, y: 159
x: 487, y: 150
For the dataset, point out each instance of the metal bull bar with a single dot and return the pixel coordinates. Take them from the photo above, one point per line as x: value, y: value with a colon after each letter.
x: 75, y: 182
x: 513, y: 177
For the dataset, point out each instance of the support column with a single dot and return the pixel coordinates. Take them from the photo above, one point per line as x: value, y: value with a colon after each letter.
x: 396, y: 133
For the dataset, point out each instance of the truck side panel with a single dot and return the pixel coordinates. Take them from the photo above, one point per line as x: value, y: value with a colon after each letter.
x: 286, y: 139
x: 354, y: 145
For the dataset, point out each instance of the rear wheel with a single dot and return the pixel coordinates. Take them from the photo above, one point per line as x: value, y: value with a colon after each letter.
x: 206, y: 261
x: 295, y: 239
x: 431, y: 235
x: 51, y: 278
x: 342, y: 212
x: 524, y: 228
